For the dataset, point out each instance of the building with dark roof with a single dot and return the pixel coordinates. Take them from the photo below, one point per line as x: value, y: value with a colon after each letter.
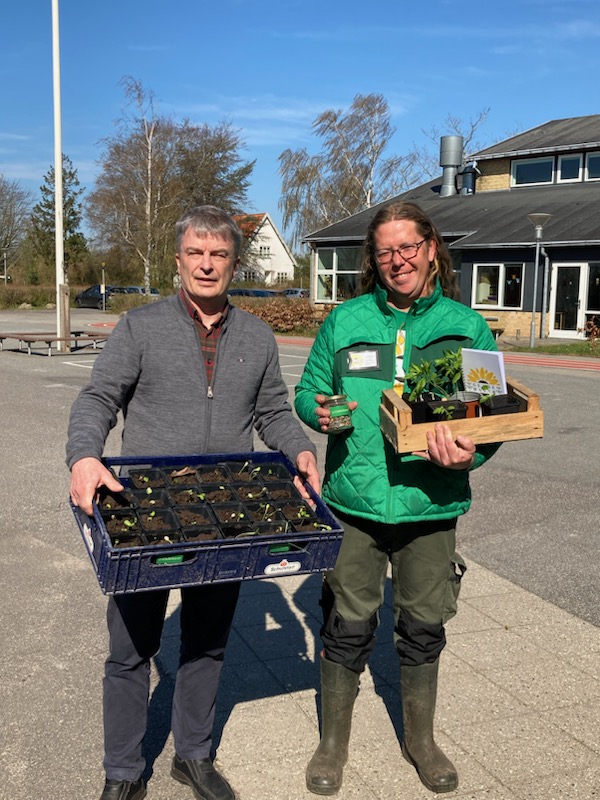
x: 481, y: 205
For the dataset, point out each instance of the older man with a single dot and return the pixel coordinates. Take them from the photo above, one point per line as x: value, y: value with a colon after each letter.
x: 191, y: 374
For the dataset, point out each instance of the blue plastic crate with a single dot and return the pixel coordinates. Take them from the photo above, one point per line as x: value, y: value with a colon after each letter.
x: 123, y: 570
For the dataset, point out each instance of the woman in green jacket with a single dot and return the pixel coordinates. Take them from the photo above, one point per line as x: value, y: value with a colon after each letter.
x: 398, y: 509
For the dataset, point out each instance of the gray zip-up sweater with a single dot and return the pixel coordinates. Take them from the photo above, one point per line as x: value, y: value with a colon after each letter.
x: 151, y: 367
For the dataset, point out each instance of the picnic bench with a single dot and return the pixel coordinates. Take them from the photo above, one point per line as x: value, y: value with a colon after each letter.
x: 77, y: 339
x: 17, y: 336
x: 495, y: 329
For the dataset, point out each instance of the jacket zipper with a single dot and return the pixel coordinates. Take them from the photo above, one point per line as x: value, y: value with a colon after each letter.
x: 209, y: 391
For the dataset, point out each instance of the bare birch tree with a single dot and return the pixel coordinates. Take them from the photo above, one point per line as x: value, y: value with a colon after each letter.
x: 428, y: 154
x: 348, y: 174
x: 15, y: 206
x: 152, y: 170
x: 133, y: 200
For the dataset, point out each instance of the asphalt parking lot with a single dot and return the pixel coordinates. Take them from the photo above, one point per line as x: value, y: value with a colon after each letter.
x: 520, y: 687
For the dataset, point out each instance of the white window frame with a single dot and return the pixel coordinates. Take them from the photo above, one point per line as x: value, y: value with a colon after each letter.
x: 332, y: 273
x: 518, y: 161
x: 501, y: 282
x: 596, y: 154
x: 559, y: 177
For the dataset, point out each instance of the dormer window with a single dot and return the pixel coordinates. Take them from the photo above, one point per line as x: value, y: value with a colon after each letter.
x: 592, y: 171
x: 569, y: 168
x: 532, y: 171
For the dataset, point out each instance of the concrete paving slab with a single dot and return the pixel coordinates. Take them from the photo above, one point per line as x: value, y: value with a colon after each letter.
x: 519, y: 680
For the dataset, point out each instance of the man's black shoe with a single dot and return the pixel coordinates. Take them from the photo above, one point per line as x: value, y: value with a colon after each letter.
x: 203, y: 778
x: 124, y: 790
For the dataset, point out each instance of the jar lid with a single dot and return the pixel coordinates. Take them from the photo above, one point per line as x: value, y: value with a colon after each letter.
x: 335, y: 398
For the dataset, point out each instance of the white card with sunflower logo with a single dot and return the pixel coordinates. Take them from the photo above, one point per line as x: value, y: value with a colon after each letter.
x: 483, y: 371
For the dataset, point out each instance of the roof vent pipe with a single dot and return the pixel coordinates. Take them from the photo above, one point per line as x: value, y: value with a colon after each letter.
x: 469, y: 174
x: 451, y: 158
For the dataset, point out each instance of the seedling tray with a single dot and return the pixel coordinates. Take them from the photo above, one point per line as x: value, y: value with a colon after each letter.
x: 406, y: 437
x: 122, y: 569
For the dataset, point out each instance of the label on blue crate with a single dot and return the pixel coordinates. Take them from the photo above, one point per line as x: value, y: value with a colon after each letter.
x: 175, y: 559
x: 284, y: 567
x: 87, y: 537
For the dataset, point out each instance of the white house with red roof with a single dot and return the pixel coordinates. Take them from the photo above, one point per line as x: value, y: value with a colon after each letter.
x: 267, y: 257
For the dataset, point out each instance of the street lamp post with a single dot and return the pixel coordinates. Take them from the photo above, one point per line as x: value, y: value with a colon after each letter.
x: 538, y: 221
x: 4, y: 254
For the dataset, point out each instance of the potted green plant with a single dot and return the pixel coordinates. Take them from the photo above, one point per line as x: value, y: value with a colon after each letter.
x: 432, y: 384
x: 500, y: 404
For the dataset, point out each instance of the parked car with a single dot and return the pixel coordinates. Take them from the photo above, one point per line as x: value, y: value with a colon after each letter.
x: 295, y: 293
x: 92, y: 296
x: 262, y: 293
x: 252, y: 293
x: 141, y: 290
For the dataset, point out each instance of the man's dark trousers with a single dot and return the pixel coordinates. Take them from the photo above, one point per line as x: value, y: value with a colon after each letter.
x: 135, y: 623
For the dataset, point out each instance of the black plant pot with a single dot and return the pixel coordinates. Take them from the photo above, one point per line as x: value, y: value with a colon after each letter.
x: 418, y: 407
x: 501, y: 404
x: 444, y: 410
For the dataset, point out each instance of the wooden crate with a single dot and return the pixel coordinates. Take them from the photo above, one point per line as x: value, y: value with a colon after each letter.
x: 396, y: 422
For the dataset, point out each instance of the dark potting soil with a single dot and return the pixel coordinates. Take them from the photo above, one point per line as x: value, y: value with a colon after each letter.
x: 250, y: 491
x: 282, y: 493
x: 207, y: 535
x: 157, y: 522
x: 126, y: 541
x: 172, y: 537
x: 214, y: 475
x: 220, y: 495
x: 183, y: 477
x: 189, y: 517
x: 121, y: 523
x: 185, y: 496
x: 144, y: 478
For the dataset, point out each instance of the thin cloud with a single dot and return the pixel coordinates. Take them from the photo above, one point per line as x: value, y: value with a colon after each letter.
x: 578, y: 29
x: 23, y: 171
x: 268, y: 120
x: 573, y: 29
x: 14, y: 137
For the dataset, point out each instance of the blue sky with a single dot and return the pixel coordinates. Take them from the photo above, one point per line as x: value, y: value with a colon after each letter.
x: 270, y: 67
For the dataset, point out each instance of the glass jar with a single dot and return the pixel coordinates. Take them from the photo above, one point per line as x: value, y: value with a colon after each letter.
x: 341, y: 419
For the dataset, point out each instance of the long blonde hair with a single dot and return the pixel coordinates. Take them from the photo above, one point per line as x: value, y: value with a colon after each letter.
x: 441, y: 266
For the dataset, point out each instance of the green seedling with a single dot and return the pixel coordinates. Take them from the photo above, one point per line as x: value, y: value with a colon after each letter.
x: 268, y: 511
x: 445, y: 410
x: 255, y: 495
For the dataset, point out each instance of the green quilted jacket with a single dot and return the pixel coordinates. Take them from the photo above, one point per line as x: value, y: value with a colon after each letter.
x: 364, y: 476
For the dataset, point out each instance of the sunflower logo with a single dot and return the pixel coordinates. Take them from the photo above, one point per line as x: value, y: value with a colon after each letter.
x: 482, y: 377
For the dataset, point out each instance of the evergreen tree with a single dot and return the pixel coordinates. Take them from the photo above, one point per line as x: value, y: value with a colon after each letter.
x: 42, y: 229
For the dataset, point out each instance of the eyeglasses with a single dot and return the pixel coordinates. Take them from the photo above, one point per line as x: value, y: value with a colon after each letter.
x: 407, y: 251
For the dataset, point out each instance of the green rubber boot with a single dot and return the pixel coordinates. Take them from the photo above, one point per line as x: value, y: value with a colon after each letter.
x: 338, y: 693
x: 419, y: 689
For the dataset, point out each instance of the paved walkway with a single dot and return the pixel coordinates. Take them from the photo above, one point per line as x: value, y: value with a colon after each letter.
x: 517, y: 711
x: 520, y: 678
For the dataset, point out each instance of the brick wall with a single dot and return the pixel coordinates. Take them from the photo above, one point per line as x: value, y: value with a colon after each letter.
x: 514, y: 324
x: 495, y: 175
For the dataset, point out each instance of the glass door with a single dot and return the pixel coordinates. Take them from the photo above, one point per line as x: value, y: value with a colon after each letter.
x: 566, y: 301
